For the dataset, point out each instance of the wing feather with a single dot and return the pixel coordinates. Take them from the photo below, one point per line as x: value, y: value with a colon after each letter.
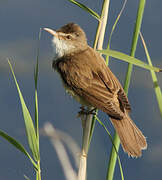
x: 92, y: 80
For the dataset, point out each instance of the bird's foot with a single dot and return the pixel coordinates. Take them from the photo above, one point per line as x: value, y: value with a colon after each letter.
x: 84, y: 111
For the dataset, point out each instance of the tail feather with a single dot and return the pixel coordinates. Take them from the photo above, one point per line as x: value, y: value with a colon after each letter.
x: 132, y: 139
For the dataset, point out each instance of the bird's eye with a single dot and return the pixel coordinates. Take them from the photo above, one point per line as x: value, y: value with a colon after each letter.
x: 77, y: 34
x: 68, y: 37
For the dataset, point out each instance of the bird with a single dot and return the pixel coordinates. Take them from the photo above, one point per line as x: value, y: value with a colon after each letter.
x: 88, y: 79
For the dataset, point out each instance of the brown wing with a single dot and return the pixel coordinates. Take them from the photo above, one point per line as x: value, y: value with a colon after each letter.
x: 87, y: 75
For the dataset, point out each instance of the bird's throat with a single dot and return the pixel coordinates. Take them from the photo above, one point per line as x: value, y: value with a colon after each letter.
x: 61, y: 47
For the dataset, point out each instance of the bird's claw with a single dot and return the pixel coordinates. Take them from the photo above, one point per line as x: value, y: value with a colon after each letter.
x: 84, y: 111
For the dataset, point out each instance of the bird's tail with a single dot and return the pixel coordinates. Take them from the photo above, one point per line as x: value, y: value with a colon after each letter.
x: 132, y: 139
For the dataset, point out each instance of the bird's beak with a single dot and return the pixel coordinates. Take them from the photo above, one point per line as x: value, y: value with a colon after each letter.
x: 54, y: 33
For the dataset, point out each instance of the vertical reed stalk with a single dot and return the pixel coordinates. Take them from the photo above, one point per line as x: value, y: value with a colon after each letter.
x: 89, y: 120
x: 113, y: 156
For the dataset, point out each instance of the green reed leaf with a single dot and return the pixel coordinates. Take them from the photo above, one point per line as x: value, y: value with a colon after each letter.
x: 111, y: 139
x: 85, y: 8
x: 154, y: 77
x: 30, y: 130
x: 129, y: 59
x: 17, y: 145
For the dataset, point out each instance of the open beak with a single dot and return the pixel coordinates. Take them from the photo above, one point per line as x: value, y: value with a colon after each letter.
x: 54, y: 33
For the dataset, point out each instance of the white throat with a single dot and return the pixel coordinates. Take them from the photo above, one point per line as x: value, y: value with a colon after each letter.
x: 61, y: 47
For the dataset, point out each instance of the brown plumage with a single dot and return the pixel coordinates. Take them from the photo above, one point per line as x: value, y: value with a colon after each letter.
x: 87, y: 78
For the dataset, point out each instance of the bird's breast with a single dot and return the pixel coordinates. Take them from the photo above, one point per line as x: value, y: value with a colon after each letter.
x: 58, y: 67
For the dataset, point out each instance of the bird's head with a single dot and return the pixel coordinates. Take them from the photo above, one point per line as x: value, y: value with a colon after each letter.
x: 68, y: 39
